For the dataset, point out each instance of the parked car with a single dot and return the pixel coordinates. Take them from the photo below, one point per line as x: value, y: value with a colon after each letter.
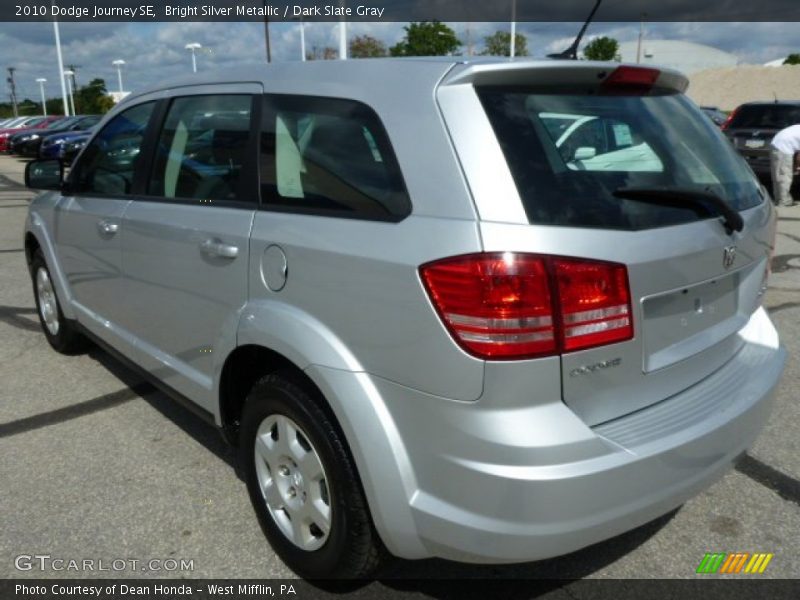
x: 26, y: 123
x: 752, y: 126
x: 53, y: 144
x: 10, y: 123
x: 30, y: 147
x: 429, y: 322
x: 715, y: 114
x: 71, y: 145
x: 43, y: 128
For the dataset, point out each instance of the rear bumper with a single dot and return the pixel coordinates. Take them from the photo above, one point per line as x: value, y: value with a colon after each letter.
x: 552, y: 511
x: 758, y: 161
x: 761, y: 168
x: 480, y: 482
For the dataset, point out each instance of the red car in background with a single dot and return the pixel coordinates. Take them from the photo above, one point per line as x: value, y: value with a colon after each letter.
x: 32, y: 123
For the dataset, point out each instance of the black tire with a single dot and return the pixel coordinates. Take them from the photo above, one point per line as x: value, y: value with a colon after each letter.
x: 352, y: 548
x: 67, y: 340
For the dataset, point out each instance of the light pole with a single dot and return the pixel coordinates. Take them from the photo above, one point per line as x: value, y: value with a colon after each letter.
x: 342, y: 35
x: 513, y: 45
x: 194, y: 47
x: 69, y: 74
x: 302, y: 40
x: 119, y: 64
x: 641, y: 35
x: 41, y: 81
x: 60, y: 63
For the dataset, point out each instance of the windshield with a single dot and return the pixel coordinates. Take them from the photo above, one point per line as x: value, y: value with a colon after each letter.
x: 67, y: 122
x: 765, y: 116
x: 58, y: 123
x: 87, y: 122
x: 568, y: 152
x: 32, y: 122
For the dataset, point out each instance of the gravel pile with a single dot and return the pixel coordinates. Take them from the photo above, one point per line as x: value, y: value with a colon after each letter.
x: 728, y: 88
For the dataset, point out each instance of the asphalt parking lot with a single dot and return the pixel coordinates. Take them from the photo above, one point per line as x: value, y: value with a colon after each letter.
x: 98, y: 465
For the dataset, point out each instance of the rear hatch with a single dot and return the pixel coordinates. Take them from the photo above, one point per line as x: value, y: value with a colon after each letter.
x: 576, y: 141
x: 751, y: 128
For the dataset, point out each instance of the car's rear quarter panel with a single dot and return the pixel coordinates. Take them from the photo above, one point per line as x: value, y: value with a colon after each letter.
x: 358, y: 280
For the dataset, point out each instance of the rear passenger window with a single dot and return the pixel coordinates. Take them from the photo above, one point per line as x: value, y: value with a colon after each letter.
x: 202, y: 148
x: 109, y: 162
x: 329, y: 156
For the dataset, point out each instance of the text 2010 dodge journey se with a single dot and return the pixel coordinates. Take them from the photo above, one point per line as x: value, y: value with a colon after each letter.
x: 487, y: 311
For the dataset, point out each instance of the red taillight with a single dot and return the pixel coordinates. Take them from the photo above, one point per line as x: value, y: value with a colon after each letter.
x: 495, y: 305
x: 632, y: 77
x: 513, y: 306
x: 594, y: 301
x: 730, y: 118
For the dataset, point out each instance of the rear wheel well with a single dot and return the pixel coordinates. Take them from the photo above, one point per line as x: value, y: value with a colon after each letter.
x: 243, y: 368
x: 247, y: 365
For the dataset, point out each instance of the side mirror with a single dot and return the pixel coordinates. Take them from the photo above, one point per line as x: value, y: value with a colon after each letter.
x: 44, y: 175
x: 585, y: 153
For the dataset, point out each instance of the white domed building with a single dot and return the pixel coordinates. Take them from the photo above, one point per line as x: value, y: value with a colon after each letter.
x: 687, y: 57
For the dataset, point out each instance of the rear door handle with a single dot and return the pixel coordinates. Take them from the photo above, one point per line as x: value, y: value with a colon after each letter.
x: 218, y: 249
x: 107, y: 227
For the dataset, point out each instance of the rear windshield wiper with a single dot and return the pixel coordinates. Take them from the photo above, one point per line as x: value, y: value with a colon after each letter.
x: 686, y: 198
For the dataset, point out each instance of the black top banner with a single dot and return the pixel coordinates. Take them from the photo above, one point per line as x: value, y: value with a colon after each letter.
x: 400, y: 10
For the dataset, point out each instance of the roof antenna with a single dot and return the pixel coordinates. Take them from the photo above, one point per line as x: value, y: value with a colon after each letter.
x: 571, y: 53
x: 775, y: 95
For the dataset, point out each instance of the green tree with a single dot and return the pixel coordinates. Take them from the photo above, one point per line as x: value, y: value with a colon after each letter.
x: 326, y: 53
x: 366, y: 46
x: 427, y: 38
x: 93, y: 98
x: 602, y: 48
x: 499, y: 44
x: 25, y: 108
x: 55, y: 106
x: 792, y: 59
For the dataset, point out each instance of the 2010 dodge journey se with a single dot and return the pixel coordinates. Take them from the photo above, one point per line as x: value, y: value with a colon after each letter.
x: 491, y: 311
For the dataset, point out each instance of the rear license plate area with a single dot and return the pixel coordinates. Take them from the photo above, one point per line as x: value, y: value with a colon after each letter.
x: 684, y: 322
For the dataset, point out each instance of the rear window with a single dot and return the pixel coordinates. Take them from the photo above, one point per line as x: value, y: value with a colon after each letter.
x: 569, y: 150
x: 765, y: 116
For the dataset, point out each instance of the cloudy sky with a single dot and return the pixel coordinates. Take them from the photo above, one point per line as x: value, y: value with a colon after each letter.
x: 155, y: 52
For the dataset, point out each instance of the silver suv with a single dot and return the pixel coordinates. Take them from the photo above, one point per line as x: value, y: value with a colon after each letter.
x: 487, y: 311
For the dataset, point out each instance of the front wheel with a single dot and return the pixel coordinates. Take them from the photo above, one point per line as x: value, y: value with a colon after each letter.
x: 62, y: 334
x: 303, y: 483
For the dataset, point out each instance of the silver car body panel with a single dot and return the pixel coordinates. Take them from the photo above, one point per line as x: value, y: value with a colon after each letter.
x: 671, y: 260
x: 459, y: 458
x: 87, y: 233
x: 39, y: 224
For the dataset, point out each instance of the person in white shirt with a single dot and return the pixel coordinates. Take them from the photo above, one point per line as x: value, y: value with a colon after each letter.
x: 785, y: 145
